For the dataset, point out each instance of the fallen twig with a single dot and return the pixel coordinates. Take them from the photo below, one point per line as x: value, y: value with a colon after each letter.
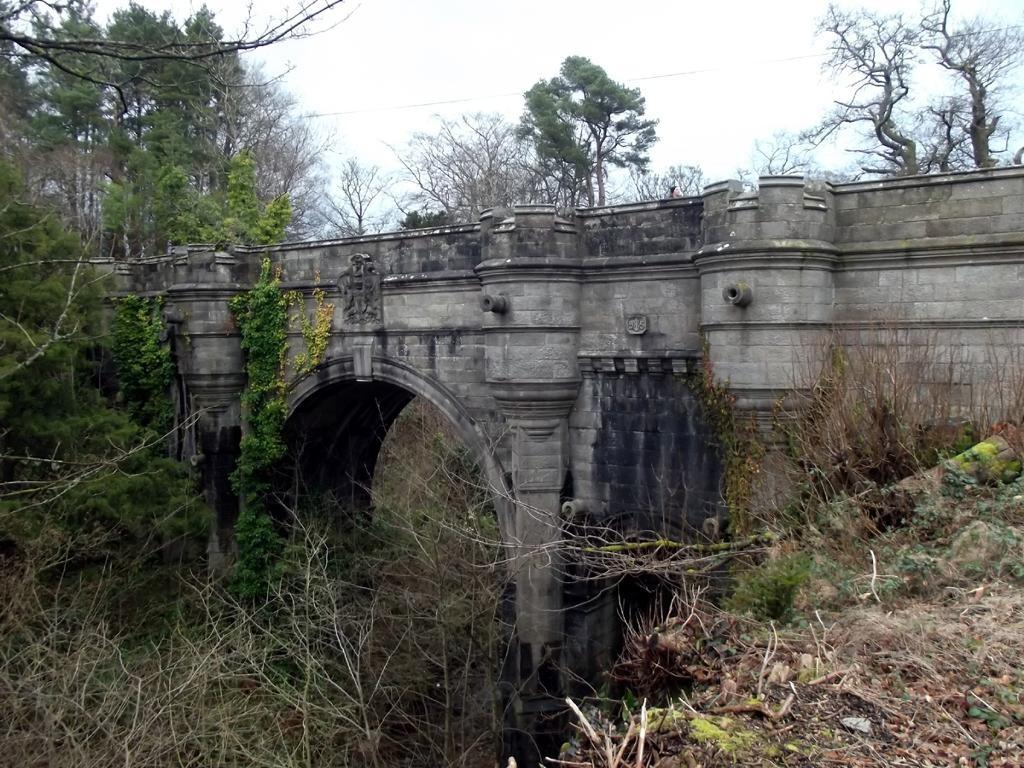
x: 874, y: 575
x: 587, y: 727
x: 769, y: 652
x: 698, y: 547
x: 643, y: 735
x: 758, y: 709
x: 830, y: 676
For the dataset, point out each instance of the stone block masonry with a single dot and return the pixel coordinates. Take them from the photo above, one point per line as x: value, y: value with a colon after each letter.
x: 559, y: 344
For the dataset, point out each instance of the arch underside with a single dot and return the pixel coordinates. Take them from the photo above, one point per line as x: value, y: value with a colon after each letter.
x: 337, y: 423
x: 335, y: 436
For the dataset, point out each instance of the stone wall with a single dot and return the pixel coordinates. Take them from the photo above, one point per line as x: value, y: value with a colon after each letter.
x: 934, y: 261
x: 559, y: 344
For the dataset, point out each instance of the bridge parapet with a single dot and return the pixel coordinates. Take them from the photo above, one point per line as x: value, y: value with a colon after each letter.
x: 936, y: 257
x: 783, y: 208
x: 560, y: 344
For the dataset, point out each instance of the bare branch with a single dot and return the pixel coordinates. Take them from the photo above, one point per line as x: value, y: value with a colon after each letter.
x: 980, y: 57
x: 877, y: 52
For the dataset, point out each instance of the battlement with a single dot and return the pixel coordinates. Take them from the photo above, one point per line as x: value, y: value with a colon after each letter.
x: 781, y: 208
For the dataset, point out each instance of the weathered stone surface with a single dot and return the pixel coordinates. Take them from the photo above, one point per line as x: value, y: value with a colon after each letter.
x: 558, y: 395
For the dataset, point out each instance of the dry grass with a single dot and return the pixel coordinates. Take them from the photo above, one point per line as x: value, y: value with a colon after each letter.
x: 381, y: 649
x: 909, y: 623
x: 933, y: 684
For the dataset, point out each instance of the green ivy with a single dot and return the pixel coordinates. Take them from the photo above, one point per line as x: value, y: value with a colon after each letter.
x: 144, y: 367
x: 742, y: 451
x: 262, y: 317
x: 316, y: 332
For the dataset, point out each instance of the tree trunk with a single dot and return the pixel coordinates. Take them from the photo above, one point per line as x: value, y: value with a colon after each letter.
x: 979, y: 129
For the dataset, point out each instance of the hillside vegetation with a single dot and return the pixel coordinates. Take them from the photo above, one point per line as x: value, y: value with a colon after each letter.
x: 882, y: 624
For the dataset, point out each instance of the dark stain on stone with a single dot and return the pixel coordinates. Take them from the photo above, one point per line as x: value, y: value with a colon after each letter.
x: 655, y: 454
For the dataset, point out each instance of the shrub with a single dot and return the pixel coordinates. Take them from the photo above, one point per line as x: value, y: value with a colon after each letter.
x: 767, y: 592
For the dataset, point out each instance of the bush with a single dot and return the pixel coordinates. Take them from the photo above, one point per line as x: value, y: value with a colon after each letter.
x: 768, y: 592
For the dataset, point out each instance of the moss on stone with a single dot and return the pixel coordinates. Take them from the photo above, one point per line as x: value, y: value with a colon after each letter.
x: 991, y: 460
x: 664, y: 720
x: 723, y: 733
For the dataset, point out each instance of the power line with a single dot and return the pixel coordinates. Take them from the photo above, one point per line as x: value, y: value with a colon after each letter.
x: 466, y: 99
x: 742, y: 64
x: 397, y: 107
x: 738, y: 65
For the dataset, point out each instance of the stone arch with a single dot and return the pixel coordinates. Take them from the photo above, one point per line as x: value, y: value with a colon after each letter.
x: 374, y: 402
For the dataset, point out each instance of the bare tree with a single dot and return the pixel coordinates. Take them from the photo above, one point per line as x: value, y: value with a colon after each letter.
x: 470, y: 164
x: 355, y: 208
x: 787, y: 153
x: 979, y: 57
x: 689, y: 179
x: 878, y: 52
x: 783, y: 154
x: 944, y: 142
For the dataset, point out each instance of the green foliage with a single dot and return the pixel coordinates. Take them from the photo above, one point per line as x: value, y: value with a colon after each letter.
x: 260, y: 546
x: 72, y: 113
x: 244, y: 218
x: 35, y: 297
x: 315, y: 332
x: 768, y: 591
x: 262, y: 317
x: 243, y: 206
x: 584, y: 121
x: 160, y: 204
x: 144, y: 367
x: 270, y: 228
x: 70, y: 464
x: 161, y: 145
x: 424, y: 219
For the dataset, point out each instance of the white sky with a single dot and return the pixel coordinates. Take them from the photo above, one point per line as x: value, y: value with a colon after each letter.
x: 750, y: 67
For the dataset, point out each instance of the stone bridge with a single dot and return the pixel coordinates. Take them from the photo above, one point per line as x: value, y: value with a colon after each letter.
x: 560, y: 344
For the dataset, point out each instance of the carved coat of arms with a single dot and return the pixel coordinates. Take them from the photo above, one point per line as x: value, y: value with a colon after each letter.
x: 636, y: 325
x: 360, y: 289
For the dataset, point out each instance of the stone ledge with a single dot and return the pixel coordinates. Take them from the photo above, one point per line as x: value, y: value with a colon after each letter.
x: 966, y: 249
x: 384, y: 237
x: 624, y: 363
x: 794, y: 246
x: 652, y: 205
x: 928, y: 180
x: 846, y: 325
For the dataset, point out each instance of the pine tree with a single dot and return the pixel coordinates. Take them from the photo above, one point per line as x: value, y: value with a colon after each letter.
x: 584, y: 122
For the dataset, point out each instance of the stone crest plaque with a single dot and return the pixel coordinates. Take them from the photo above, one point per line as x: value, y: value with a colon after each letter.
x: 636, y: 325
x: 360, y: 289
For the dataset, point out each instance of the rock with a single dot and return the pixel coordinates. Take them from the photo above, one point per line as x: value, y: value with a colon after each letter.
x: 858, y: 724
x: 993, y: 460
x: 922, y: 483
x: 980, y: 548
x: 780, y: 674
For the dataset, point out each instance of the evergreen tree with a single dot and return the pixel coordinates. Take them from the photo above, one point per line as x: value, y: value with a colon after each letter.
x: 70, y: 462
x: 582, y: 122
